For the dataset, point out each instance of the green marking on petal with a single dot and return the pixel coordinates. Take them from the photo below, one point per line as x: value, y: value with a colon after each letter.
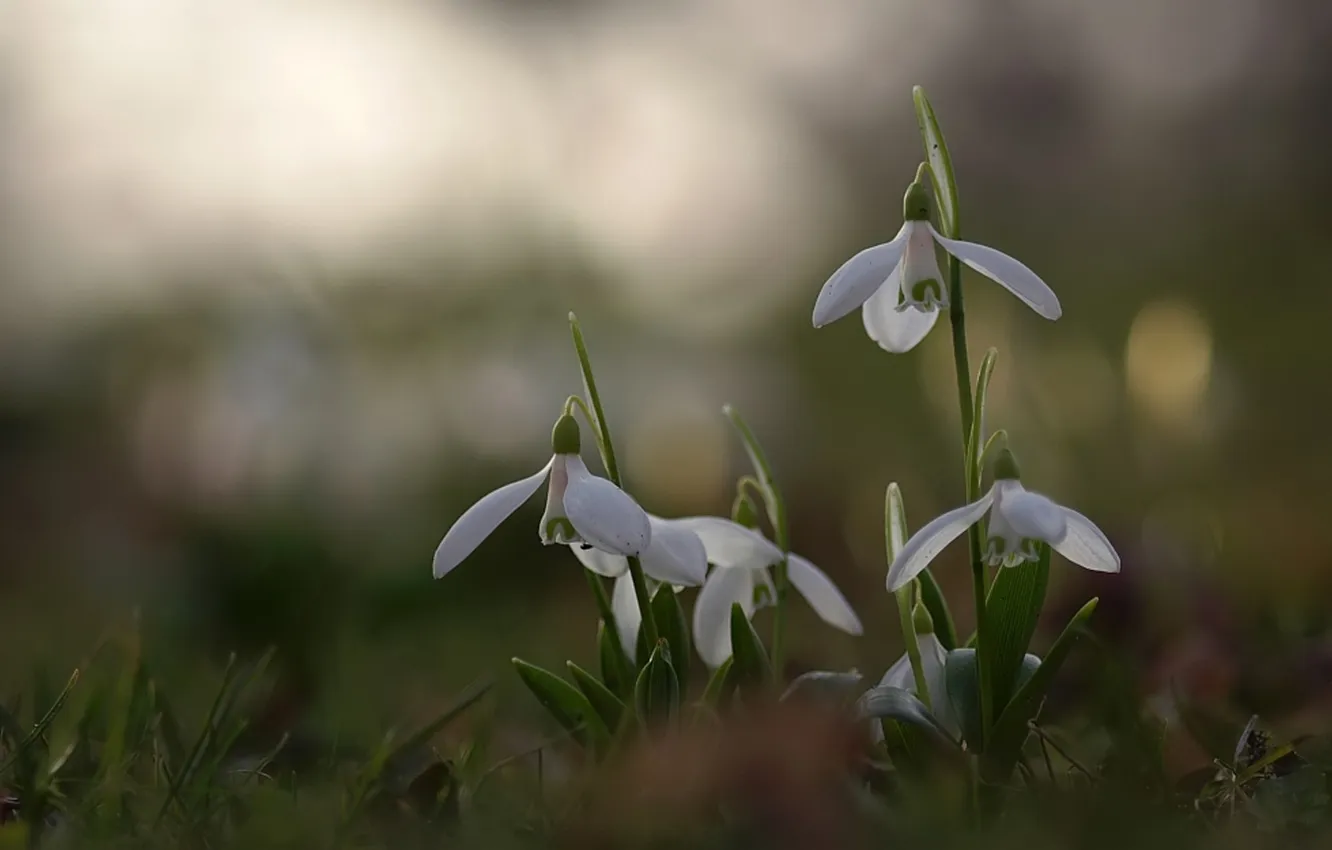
x: 559, y: 530
x: 927, y: 291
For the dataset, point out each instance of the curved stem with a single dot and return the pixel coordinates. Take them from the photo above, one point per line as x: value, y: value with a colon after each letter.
x: 962, y: 365
x: 776, y: 509
x: 649, y: 624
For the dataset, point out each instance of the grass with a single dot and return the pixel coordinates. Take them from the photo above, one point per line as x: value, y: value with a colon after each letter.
x: 102, y: 756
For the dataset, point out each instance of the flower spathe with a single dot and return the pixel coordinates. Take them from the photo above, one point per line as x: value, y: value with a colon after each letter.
x: 581, y: 509
x: 1019, y: 519
x: 899, y: 286
x: 741, y: 558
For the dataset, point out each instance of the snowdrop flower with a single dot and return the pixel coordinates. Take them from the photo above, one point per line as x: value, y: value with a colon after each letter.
x: 581, y: 509
x: 933, y: 657
x: 900, y: 289
x: 1018, y: 521
x: 675, y: 556
x: 741, y: 558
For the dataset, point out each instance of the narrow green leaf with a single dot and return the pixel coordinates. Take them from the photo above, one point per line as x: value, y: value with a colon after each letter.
x: 750, y: 665
x: 657, y: 691
x: 898, y: 704
x: 976, y: 437
x: 1010, y: 730
x: 941, y: 164
x: 469, y: 697
x: 932, y: 597
x: 963, y: 679
x: 1012, y: 610
x: 599, y: 414
x: 565, y: 703
x: 613, y: 662
x: 823, y: 684
x: 39, y: 728
x: 674, y: 629
x: 608, y: 706
x: 720, y: 685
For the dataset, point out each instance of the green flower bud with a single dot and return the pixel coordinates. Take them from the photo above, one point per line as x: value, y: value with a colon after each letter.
x: 564, y: 439
x: 744, y: 511
x: 1006, y: 466
x: 924, y: 623
x: 916, y: 203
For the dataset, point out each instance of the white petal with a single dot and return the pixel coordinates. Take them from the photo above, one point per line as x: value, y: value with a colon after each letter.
x: 900, y: 675
x: 712, y: 612
x: 603, y: 514
x: 926, y: 544
x: 895, y: 331
x: 823, y: 596
x: 1005, y: 271
x: 730, y: 544
x: 628, y: 618
x: 478, y: 521
x: 1085, y: 545
x: 934, y: 659
x: 857, y: 279
x: 675, y: 555
x: 599, y: 562
x: 1029, y: 514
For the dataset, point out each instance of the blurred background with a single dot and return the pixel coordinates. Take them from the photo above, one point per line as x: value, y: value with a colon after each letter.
x: 283, y: 290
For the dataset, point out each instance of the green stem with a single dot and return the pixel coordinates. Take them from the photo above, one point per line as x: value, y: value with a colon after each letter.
x: 962, y: 364
x: 649, y: 625
x: 608, y: 616
x: 905, y: 604
x: 776, y: 509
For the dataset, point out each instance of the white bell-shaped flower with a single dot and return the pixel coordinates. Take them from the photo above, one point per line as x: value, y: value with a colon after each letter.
x: 741, y: 558
x: 933, y: 658
x: 1019, y: 519
x: 899, y: 286
x: 581, y: 508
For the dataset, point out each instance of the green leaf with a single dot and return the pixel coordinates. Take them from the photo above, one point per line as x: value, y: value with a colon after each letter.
x: 674, y: 629
x: 941, y: 164
x: 897, y: 704
x: 470, y: 696
x: 1012, y: 610
x: 657, y: 692
x: 1297, y: 799
x: 762, y: 469
x: 963, y: 679
x: 1010, y: 730
x: 932, y: 597
x: 614, y: 663
x: 720, y: 685
x: 39, y: 728
x: 608, y: 706
x: 750, y: 665
x: 825, y: 684
x: 976, y: 437
x: 565, y: 703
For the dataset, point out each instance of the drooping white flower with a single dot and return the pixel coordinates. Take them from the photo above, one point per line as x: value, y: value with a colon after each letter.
x: 675, y: 556
x: 899, y: 286
x: 933, y: 658
x: 1019, y: 519
x: 581, y: 508
x: 741, y: 558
